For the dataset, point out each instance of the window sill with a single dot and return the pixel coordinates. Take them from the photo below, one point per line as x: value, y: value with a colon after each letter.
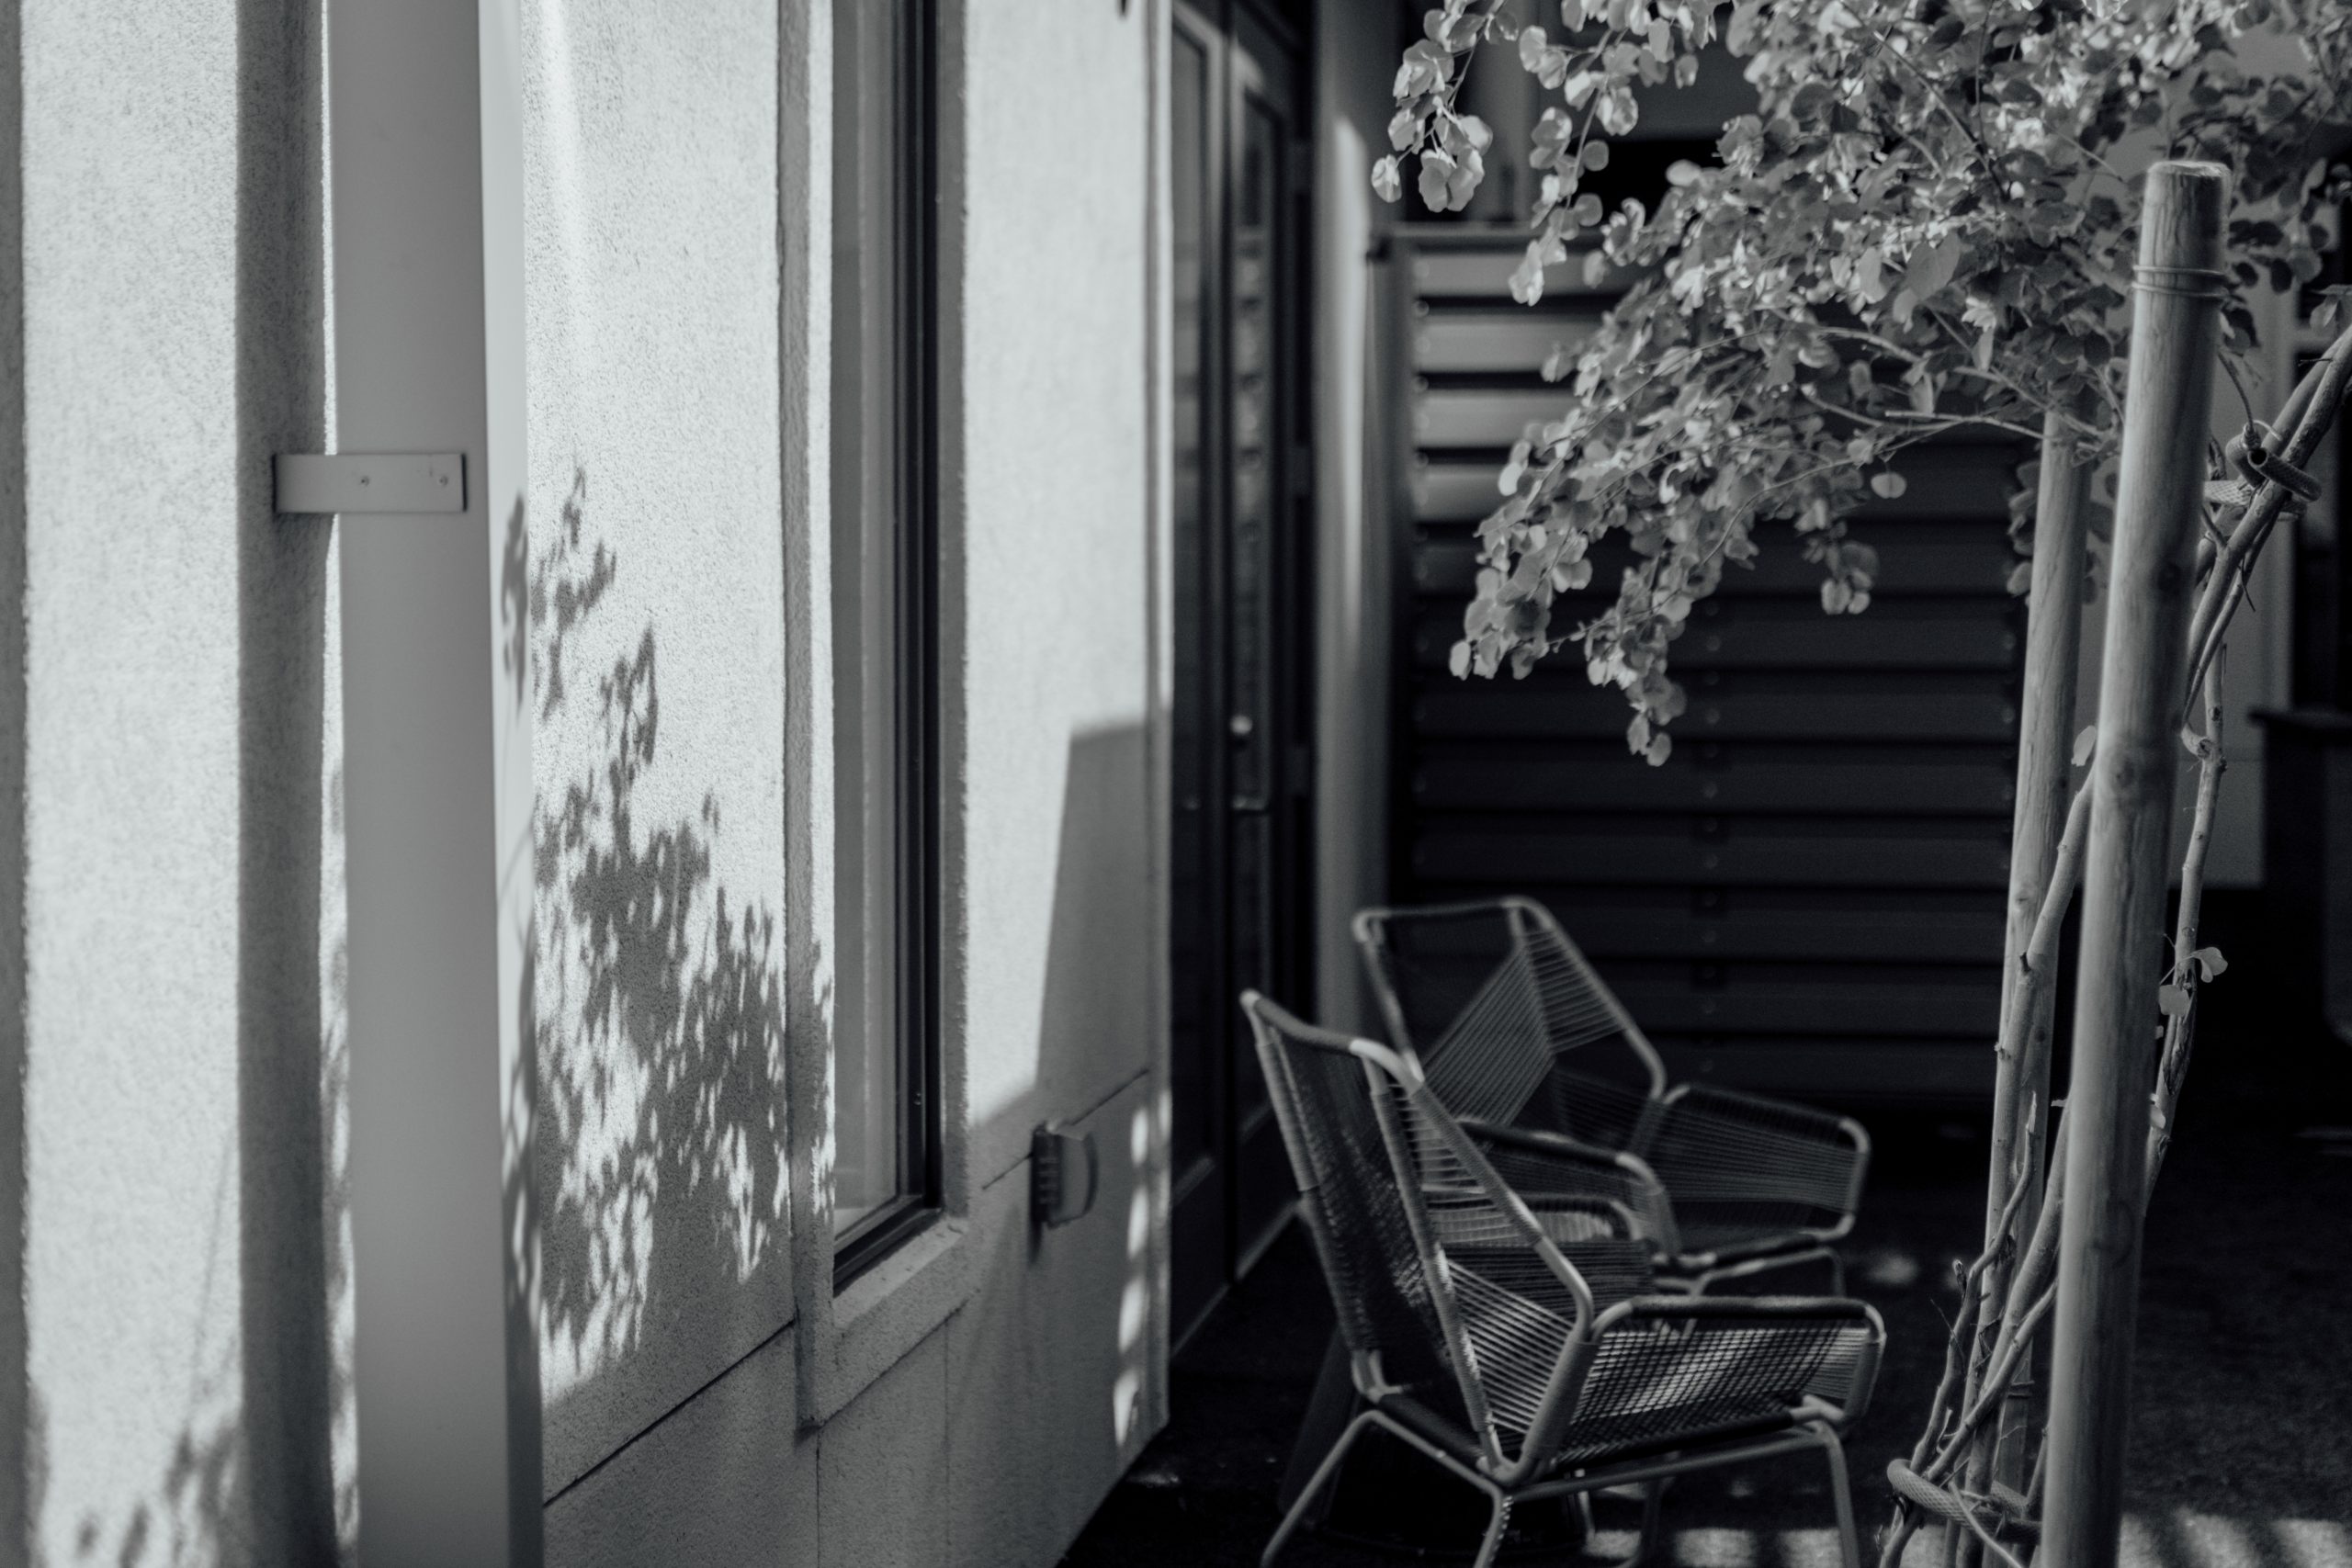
x: 850, y: 1338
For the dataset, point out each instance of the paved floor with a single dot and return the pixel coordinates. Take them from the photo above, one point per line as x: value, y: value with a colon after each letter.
x: 2242, y: 1440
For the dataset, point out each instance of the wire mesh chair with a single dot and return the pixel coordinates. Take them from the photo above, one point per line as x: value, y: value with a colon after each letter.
x: 1518, y: 1347
x: 1515, y: 1029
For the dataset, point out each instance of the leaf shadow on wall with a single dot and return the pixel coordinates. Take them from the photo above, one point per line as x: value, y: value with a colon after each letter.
x: 660, y: 1027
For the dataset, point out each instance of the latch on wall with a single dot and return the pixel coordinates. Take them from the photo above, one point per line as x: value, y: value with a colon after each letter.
x: 397, y: 481
x: 1064, y: 1170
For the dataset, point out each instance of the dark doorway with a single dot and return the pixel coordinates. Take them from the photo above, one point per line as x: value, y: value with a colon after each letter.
x: 1242, y: 629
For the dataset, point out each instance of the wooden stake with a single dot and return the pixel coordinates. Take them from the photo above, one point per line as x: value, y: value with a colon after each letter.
x: 2166, y: 417
x: 2045, y: 740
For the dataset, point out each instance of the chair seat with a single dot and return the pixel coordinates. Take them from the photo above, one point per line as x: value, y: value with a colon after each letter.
x: 1599, y: 1443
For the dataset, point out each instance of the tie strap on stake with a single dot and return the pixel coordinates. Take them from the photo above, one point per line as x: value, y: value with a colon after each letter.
x: 2188, y: 282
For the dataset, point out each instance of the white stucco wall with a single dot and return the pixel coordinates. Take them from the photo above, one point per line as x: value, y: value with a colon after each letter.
x: 186, y: 1315
x: 652, y: 280
x: 175, y: 696
x: 131, y: 765
x: 992, y: 1404
x: 1052, y: 540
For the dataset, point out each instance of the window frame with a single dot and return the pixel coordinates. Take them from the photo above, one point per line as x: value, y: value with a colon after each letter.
x: 900, y: 905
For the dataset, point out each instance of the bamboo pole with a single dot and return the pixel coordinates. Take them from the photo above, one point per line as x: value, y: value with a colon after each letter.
x: 2045, y: 725
x: 2167, y: 414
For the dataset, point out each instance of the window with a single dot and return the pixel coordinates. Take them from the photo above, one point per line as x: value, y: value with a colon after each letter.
x: 886, y: 1071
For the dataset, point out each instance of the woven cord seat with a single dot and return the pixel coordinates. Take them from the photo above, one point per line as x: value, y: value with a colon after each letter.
x: 1514, y: 1338
x: 1516, y: 1029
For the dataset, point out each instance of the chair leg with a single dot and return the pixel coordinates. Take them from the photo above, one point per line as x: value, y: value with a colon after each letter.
x: 1314, y: 1487
x: 1499, y: 1522
x: 1848, y: 1545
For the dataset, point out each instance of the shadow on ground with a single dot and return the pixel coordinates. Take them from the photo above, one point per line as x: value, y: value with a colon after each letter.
x: 2241, y: 1449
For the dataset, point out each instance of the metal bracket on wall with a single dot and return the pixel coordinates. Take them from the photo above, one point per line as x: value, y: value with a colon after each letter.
x: 1064, y: 1172
x: 408, y: 482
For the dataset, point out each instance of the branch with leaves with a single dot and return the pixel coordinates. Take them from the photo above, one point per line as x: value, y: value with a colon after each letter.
x: 1923, y: 230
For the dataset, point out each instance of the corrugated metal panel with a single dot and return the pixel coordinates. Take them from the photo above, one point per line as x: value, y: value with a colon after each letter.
x: 1808, y: 896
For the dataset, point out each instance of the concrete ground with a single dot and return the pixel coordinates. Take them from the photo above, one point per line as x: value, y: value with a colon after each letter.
x: 2241, y: 1450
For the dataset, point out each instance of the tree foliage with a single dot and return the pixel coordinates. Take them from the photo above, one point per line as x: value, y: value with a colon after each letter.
x: 1928, y: 225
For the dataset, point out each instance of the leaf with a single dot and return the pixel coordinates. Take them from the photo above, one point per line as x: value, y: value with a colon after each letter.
x: 1887, y: 486
x: 2086, y: 743
x: 1463, y: 183
x: 1867, y: 278
x: 1437, y: 173
x: 1527, y: 278
x: 1660, y: 748
x: 1515, y: 468
x: 1458, y: 659
x: 1617, y: 111
x: 1386, y: 182
x: 1931, y: 267
x: 1595, y: 156
x: 2209, y: 963
x: 2172, y: 1000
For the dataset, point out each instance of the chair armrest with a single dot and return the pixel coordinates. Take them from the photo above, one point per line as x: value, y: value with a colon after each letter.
x: 1728, y: 1309
x: 1724, y: 1145
x: 1551, y: 1170
x: 1766, y: 1111
x: 1557, y: 1145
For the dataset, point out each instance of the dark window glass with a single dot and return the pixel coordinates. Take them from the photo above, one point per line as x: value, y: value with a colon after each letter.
x: 885, y: 1069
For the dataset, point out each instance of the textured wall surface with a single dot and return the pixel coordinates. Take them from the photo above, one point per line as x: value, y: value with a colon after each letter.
x: 185, y: 1312
x: 656, y: 546
x: 1050, y: 311
x: 175, y: 691
x: 990, y: 1438
x: 989, y: 1444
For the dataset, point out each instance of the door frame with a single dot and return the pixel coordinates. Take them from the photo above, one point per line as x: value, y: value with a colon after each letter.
x: 1246, y: 53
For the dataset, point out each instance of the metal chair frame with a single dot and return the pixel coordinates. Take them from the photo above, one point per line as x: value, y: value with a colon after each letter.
x: 1692, y: 1269
x: 1817, y: 1434
x: 1603, y: 1413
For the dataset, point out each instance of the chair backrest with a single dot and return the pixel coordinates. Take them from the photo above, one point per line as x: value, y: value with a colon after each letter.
x: 1433, y: 1262
x: 1495, y: 1000
x: 1355, y: 1211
